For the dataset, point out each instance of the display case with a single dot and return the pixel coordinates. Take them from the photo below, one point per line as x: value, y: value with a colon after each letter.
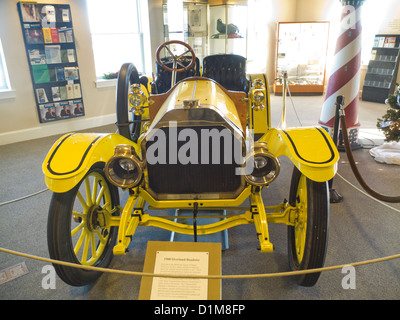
x: 209, y: 27
x: 228, y: 27
x: 301, y: 52
x: 380, y: 79
x: 187, y: 21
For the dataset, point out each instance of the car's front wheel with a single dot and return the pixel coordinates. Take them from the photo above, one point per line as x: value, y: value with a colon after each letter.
x: 307, y: 239
x: 79, y: 230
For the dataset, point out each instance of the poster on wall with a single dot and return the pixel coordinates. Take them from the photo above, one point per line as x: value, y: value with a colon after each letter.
x: 50, y: 49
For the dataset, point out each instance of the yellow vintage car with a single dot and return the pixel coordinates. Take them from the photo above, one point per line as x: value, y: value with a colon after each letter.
x: 199, y: 139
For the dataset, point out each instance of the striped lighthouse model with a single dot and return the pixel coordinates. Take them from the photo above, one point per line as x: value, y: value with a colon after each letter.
x: 344, y: 79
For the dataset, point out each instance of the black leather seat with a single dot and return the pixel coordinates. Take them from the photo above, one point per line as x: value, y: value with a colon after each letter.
x: 229, y: 70
x: 162, y: 81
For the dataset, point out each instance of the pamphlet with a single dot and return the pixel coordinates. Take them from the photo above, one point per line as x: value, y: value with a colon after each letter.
x: 41, y: 95
x: 56, y: 93
x: 29, y: 12
x: 53, y: 54
x: 77, y: 91
x: 37, y: 56
x: 40, y: 73
x: 390, y: 42
x: 34, y: 35
x: 47, y: 35
x: 50, y: 13
x: 60, y: 75
x: 65, y: 15
x: 71, y: 55
x: 63, y: 93
x: 71, y: 73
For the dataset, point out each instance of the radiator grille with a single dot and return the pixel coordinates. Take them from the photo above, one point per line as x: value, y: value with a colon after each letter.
x: 205, y: 177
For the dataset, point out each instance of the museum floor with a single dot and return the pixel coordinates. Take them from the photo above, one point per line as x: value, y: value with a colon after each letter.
x: 360, y: 228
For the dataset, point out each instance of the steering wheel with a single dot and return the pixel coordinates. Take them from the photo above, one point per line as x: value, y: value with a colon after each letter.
x: 178, y: 66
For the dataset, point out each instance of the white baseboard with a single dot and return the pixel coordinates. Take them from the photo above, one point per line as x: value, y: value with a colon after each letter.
x: 56, y: 128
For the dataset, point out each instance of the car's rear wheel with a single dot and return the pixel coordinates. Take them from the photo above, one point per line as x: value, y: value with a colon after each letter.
x: 307, y: 239
x: 79, y: 228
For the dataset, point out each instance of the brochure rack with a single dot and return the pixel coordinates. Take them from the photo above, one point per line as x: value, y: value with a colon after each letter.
x: 380, y: 79
x: 50, y: 48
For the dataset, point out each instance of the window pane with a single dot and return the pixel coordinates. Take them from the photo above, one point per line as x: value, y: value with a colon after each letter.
x: 3, y: 79
x: 111, y: 51
x: 3, y: 84
x: 116, y: 16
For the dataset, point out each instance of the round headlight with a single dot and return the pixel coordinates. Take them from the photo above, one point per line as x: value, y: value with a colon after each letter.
x: 124, y: 169
x: 258, y: 96
x: 265, y: 166
x: 135, y: 100
x: 136, y: 95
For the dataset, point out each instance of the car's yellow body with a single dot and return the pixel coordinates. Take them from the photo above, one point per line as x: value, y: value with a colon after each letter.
x: 310, y: 149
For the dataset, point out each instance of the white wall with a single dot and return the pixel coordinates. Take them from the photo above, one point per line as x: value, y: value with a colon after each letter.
x: 19, y: 118
x: 262, y: 28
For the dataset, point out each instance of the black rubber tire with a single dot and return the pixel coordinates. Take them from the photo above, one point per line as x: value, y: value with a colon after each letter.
x: 127, y: 75
x: 316, y: 233
x: 60, y: 240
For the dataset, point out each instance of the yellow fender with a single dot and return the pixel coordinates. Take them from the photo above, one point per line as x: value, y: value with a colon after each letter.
x: 71, y: 156
x: 310, y: 149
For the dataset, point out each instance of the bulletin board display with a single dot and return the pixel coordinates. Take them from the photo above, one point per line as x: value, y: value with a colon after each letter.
x: 50, y: 49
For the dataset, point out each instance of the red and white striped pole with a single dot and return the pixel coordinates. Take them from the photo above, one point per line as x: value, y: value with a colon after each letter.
x: 344, y: 76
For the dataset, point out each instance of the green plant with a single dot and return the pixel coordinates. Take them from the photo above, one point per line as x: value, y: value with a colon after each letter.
x: 110, y: 75
x: 390, y: 121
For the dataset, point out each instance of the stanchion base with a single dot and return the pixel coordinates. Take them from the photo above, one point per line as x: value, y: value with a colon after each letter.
x: 354, y: 146
x: 334, y: 196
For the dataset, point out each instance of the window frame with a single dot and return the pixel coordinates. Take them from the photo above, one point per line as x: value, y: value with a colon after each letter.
x: 5, y: 92
x: 142, y: 28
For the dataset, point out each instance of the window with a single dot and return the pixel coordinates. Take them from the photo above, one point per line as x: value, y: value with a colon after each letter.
x: 378, y: 12
x: 119, y: 30
x: 4, y: 82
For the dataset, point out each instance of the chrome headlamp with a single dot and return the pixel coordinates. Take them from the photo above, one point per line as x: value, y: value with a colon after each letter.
x: 124, y: 169
x: 265, y: 165
x: 136, y: 98
x: 258, y: 94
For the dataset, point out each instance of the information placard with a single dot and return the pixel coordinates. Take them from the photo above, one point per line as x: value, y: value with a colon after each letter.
x: 185, y: 263
x: 181, y: 258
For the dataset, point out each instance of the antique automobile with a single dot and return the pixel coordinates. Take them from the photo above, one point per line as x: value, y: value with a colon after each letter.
x: 193, y: 141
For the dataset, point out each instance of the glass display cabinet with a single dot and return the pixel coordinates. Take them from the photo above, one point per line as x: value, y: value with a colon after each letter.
x: 301, y: 52
x: 228, y: 27
x: 209, y: 27
x: 187, y: 21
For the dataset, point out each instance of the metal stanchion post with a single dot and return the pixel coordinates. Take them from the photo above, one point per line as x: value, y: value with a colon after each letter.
x: 334, y: 196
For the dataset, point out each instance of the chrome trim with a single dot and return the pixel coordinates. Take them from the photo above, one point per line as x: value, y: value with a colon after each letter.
x: 124, y: 151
